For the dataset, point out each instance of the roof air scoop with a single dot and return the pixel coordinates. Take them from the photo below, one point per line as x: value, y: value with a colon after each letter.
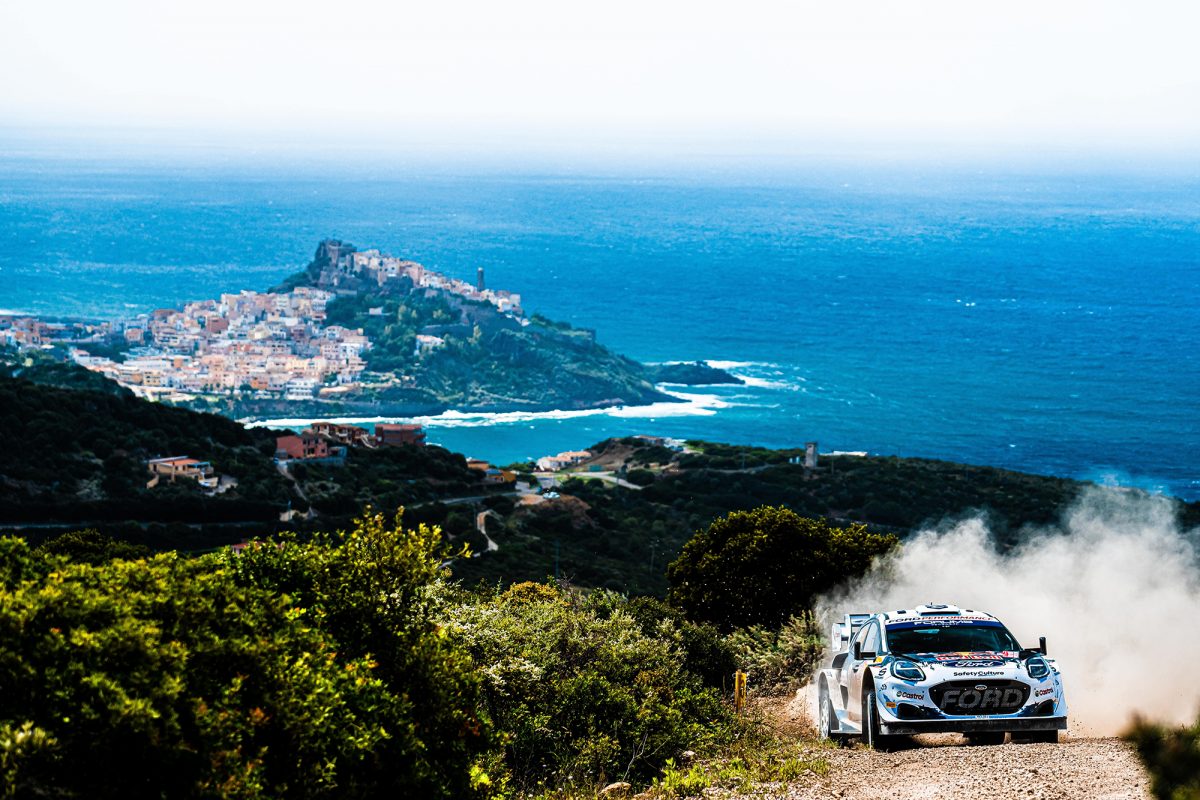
x: 939, y: 609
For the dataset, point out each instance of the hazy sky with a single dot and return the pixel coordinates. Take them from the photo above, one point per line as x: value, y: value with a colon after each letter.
x: 1060, y: 73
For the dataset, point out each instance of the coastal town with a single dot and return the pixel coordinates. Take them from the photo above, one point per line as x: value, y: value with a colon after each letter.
x: 281, y: 345
x: 329, y: 443
x: 355, y: 334
x: 261, y: 345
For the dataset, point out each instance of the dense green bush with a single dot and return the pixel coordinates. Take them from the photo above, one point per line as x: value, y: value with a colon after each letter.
x: 780, y: 660
x: 1171, y: 756
x: 290, y: 670
x: 705, y: 652
x: 343, y: 666
x: 91, y: 547
x: 760, y: 567
x: 582, y: 692
x: 640, y: 477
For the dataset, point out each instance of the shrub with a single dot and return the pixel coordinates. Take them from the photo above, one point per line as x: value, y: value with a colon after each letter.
x: 640, y: 477
x: 91, y: 547
x: 1171, y: 756
x: 376, y: 589
x: 583, y: 694
x: 705, y: 652
x: 289, y: 671
x: 530, y: 593
x: 163, y: 678
x: 760, y: 567
x: 782, y: 660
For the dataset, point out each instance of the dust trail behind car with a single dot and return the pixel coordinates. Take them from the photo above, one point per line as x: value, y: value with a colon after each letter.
x: 1115, y: 589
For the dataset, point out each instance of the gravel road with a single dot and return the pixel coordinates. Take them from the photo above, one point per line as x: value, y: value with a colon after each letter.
x: 940, y: 768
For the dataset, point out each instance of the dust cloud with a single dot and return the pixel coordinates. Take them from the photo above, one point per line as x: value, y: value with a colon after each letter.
x: 1115, y: 588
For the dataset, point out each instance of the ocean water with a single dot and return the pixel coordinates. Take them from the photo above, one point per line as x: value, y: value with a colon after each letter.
x: 1036, y: 321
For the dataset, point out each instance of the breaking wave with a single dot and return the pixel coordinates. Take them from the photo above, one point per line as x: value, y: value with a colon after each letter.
x: 690, y: 405
x: 738, y: 364
x: 759, y: 374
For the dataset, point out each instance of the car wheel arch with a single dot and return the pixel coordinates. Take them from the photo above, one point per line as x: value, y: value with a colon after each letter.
x: 871, y: 735
x: 868, y: 685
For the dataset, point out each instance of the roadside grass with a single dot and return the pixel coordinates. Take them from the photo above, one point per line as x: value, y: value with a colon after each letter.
x: 758, y: 756
x: 770, y: 750
x: 753, y: 767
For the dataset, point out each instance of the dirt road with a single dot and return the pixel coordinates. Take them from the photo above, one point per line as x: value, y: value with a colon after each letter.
x: 943, y: 767
x: 1096, y: 769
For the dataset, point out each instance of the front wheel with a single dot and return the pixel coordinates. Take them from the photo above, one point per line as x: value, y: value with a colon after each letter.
x: 871, y: 735
x: 1034, y: 737
x: 826, y: 720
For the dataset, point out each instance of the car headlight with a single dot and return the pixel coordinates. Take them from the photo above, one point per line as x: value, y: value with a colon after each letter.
x: 908, y: 671
x: 1037, y: 667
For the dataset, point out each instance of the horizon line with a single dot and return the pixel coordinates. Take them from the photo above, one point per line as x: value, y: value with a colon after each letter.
x: 193, y: 143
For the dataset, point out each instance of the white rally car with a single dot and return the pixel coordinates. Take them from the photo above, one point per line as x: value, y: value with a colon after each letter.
x: 936, y: 669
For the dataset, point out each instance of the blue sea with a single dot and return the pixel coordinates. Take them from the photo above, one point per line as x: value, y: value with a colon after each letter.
x: 1037, y: 320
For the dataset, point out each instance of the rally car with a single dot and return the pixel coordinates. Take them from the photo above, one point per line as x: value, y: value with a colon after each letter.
x: 935, y: 669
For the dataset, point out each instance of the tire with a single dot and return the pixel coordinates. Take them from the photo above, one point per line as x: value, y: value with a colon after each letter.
x: 985, y: 738
x: 1035, y: 737
x: 826, y: 719
x: 872, y: 738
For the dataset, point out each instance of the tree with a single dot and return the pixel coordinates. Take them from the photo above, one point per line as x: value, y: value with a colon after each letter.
x: 760, y: 567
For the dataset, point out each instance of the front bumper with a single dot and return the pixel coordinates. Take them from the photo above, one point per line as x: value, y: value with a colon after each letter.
x: 994, y: 725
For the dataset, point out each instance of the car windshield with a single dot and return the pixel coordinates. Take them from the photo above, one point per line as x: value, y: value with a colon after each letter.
x: 956, y: 637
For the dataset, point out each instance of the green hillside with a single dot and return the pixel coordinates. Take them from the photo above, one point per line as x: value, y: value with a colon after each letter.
x: 79, y: 456
x: 600, y: 534
x: 487, y: 359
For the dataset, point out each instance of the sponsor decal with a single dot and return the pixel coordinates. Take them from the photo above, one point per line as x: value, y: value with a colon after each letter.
x: 941, y: 622
x: 1043, y: 692
x: 922, y: 617
x: 987, y: 655
x: 910, y: 695
x: 972, y: 664
x: 983, y: 673
x: 982, y: 699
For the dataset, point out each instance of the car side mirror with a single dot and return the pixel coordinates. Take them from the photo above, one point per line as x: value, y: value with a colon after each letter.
x: 1042, y: 644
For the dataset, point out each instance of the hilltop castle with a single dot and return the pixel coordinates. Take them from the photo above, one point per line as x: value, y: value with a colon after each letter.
x: 343, y: 266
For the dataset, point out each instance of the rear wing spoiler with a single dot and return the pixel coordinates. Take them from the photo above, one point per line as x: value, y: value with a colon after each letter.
x: 842, y: 632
